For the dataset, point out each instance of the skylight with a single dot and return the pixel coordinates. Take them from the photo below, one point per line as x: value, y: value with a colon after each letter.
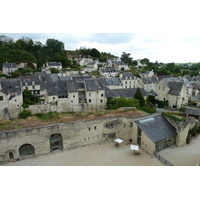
x: 146, y: 120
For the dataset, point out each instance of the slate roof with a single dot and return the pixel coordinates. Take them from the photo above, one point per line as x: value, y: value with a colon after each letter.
x: 175, y: 88
x: 62, y: 88
x: 91, y: 63
x: 192, y: 111
x: 153, y: 131
x: 93, y: 84
x: 29, y: 80
x: 54, y: 64
x: 9, y: 65
x: 110, y: 81
x: 51, y: 88
x: 126, y: 92
x: 127, y: 75
x: 149, y: 80
x: 108, y: 70
x: 11, y: 86
x: 72, y: 86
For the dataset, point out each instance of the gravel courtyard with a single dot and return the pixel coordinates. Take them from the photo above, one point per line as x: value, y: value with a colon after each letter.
x: 187, y: 155
x: 92, y: 155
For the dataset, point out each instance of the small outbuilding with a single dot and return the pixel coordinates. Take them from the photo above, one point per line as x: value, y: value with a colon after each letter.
x: 155, y: 133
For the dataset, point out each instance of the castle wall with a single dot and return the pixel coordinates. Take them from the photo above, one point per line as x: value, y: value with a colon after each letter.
x: 74, y: 134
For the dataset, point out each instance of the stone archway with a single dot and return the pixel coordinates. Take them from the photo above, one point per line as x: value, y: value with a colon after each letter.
x: 56, y: 142
x: 26, y: 150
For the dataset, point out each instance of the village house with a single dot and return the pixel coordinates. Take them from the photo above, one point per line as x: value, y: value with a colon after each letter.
x: 84, y: 61
x: 10, y: 98
x: 8, y: 68
x: 173, y: 91
x: 93, y: 65
x: 129, y: 80
x: 108, y: 72
x: 148, y: 83
x: 56, y: 65
x: 121, y: 66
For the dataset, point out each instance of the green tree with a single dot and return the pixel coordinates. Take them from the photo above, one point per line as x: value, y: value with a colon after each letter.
x: 95, y: 53
x: 24, y: 114
x: 138, y: 95
x: 144, y: 61
x: 54, y: 70
x: 29, y: 98
x: 125, y: 57
x: 55, y: 45
x: 26, y: 71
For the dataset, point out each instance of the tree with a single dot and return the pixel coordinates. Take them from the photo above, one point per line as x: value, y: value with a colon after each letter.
x: 138, y: 95
x: 145, y: 61
x: 55, y: 45
x: 24, y: 114
x: 26, y: 71
x: 125, y: 57
x: 95, y: 53
x: 54, y: 70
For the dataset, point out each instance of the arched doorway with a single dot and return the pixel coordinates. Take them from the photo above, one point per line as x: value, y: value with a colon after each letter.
x: 26, y: 150
x: 56, y: 142
x: 11, y: 155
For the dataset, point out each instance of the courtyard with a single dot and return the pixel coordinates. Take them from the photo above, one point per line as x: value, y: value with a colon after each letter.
x: 187, y: 155
x: 92, y: 155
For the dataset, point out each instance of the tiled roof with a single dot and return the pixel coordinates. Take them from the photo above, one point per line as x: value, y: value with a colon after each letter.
x: 157, y: 128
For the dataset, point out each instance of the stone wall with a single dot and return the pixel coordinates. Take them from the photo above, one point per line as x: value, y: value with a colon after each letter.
x: 74, y: 134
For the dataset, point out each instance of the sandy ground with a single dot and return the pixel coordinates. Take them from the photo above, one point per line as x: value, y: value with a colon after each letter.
x: 92, y: 155
x: 187, y: 155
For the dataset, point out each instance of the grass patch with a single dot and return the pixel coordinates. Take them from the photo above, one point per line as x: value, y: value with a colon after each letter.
x: 50, y: 115
x: 172, y: 116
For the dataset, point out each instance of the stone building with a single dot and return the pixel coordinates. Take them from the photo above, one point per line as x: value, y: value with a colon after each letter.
x: 8, y: 68
x: 175, y: 91
x: 42, y: 140
x: 129, y: 80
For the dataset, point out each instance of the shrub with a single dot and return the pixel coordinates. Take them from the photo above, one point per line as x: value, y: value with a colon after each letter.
x: 148, y: 109
x: 24, y: 105
x: 50, y: 115
x: 24, y: 114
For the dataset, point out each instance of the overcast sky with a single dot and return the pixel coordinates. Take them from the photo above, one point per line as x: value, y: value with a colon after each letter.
x: 162, y: 30
x: 161, y: 47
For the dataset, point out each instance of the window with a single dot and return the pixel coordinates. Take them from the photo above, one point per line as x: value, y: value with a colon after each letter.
x: 26, y: 88
x: 101, y: 95
x: 71, y: 101
x: 33, y: 87
x: 163, y: 88
x: 95, y: 128
x: 53, y: 97
x: 74, y: 96
x: 89, y: 94
x: 131, y: 124
x: 1, y: 98
x: 101, y: 101
x: 90, y: 100
x: 89, y: 128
